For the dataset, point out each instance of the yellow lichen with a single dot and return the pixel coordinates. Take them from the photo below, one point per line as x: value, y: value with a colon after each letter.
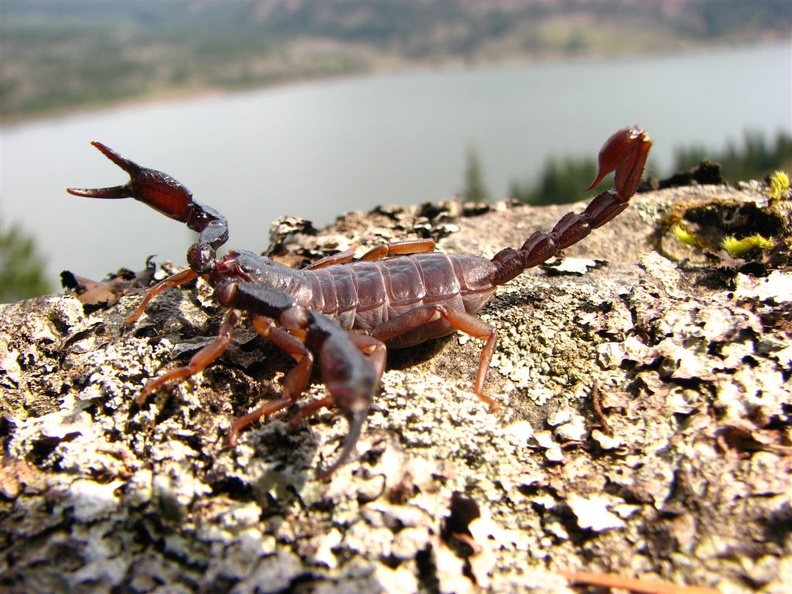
x: 779, y: 186
x: 686, y: 236
x: 737, y: 248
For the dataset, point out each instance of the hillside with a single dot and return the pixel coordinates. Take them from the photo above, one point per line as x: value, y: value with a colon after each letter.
x: 72, y: 54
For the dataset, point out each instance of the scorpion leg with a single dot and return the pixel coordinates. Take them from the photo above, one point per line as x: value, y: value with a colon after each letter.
x: 350, y: 376
x: 333, y: 259
x: 180, y: 278
x: 200, y: 361
x: 397, y: 248
x: 293, y: 384
x: 405, y: 247
x: 458, y: 320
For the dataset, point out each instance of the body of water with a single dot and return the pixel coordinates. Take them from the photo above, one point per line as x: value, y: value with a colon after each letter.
x: 317, y: 150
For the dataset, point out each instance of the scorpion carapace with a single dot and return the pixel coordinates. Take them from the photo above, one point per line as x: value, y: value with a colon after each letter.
x: 343, y: 313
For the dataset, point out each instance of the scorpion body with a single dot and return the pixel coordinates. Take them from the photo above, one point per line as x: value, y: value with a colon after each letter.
x: 365, y: 295
x: 343, y: 313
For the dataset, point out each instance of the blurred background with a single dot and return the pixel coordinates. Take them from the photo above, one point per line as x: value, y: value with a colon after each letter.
x: 266, y: 108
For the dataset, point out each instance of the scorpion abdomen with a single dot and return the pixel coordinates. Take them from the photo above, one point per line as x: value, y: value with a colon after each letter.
x: 363, y: 295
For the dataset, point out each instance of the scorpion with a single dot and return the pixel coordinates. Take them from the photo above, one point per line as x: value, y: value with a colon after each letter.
x: 345, y: 312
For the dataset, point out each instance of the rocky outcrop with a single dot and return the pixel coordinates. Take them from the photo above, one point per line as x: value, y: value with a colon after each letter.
x: 644, y: 429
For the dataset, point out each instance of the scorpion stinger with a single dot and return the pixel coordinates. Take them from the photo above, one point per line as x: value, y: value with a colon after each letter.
x: 343, y: 313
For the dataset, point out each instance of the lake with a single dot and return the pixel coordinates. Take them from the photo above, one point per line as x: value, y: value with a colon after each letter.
x: 316, y: 150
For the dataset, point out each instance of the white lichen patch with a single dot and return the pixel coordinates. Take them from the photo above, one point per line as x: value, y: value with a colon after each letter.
x: 775, y: 288
x: 593, y: 512
x: 91, y: 501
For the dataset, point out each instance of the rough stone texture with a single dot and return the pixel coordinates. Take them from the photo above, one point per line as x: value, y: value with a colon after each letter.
x: 644, y: 431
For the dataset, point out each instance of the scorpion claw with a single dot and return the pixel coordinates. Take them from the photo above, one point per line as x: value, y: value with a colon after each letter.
x: 130, y: 167
x: 151, y: 187
x: 125, y: 191
x: 114, y: 192
x: 356, y: 421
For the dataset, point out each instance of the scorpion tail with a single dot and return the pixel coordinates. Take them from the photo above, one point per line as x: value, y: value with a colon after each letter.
x: 625, y: 152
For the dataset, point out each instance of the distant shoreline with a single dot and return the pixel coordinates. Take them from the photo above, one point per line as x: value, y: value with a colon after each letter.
x: 174, y: 95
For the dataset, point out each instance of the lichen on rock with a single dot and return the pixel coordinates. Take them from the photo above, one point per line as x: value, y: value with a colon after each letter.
x: 644, y: 431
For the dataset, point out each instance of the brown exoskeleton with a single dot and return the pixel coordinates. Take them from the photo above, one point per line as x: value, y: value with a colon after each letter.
x: 343, y: 313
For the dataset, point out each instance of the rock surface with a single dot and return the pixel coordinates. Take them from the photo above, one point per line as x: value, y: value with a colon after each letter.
x: 645, y: 431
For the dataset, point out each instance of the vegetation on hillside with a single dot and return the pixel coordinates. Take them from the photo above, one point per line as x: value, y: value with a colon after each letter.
x: 22, y: 269
x: 69, y: 54
x: 561, y: 181
x: 755, y: 158
x: 474, y: 189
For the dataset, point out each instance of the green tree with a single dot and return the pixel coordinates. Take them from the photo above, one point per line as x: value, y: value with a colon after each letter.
x: 754, y: 159
x: 562, y: 180
x: 474, y: 189
x: 22, y: 269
